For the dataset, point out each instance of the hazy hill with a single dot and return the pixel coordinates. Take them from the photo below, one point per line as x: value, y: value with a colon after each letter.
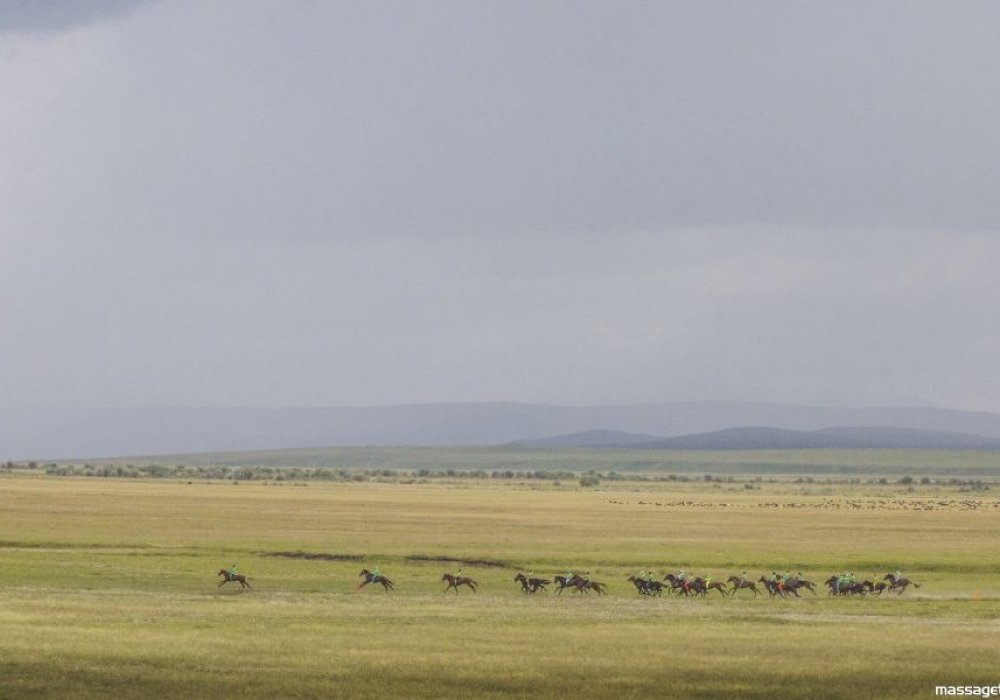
x: 753, y: 438
x: 590, y: 438
x: 55, y: 433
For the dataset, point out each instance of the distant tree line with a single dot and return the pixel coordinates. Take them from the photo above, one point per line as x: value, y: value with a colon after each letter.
x: 589, y: 478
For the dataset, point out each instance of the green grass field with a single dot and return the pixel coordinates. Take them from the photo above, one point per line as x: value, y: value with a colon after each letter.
x: 107, y: 587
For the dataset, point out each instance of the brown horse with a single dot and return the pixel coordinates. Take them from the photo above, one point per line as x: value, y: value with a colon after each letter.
x: 679, y: 585
x: 777, y: 588
x: 456, y: 581
x: 794, y: 584
x: 531, y: 585
x: 699, y: 586
x: 585, y: 586
x: 367, y: 577
x: 244, y: 581
x: 740, y: 583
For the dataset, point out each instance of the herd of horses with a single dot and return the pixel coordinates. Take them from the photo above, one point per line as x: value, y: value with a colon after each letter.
x: 671, y: 583
x: 775, y: 587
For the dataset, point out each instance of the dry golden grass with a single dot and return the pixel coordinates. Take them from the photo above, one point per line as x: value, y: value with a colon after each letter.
x: 107, y: 588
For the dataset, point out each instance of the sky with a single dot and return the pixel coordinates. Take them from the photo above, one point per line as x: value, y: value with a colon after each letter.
x: 305, y: 203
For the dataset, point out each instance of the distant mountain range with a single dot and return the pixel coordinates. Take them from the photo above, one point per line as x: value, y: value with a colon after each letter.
x: 89, y: 433
x: 763, y: 438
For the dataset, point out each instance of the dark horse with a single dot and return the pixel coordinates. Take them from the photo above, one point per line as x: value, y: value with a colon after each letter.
x: 777, y: 588
x: 794, y: 584
x: 244, y: 581
x: 681, y: 586
x: 531, y: 585
x: 898, y: 585
x: 646, y: 587
x: 367, y: 578
x: 456, y: 581
x: 579, y: 585
x: 563, y: 582
x: 585, y: 586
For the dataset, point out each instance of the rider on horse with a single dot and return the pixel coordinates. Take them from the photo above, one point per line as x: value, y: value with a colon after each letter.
x: 231, y: 572
x: 375, y: 574
x: 683, y: 578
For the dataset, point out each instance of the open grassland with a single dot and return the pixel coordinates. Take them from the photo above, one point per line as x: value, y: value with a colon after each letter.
x: 107, y: 588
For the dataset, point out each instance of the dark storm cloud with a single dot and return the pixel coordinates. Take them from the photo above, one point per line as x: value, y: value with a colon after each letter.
x: 333, y: 203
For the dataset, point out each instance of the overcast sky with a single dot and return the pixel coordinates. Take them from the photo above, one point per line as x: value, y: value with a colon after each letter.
x: 337, y: 203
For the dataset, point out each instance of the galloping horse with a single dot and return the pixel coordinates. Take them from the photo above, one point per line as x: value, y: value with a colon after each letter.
x: 241, y: 579
x: 700, y: 587
x: 676, y: 584
x: 898, y: 585
x: 564, y: 582
x: 646, y: 587
x: 739, y: 583
x: 794, y: 584
x: 777, y: 588
x: 531, y: 585
x: 584, y: 586
x: 456, y: 581
x: 368, y: 577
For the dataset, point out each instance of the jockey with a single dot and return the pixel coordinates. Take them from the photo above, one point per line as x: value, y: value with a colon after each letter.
x: 647, y: 576
x: 458, y: 574
x: 707, y: 579
x: 898, y: 575
x: 374, y: 574
x: 743, y: 578
x: 231, y: 571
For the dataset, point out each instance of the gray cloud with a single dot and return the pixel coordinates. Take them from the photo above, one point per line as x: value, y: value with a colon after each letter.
x: 317, y: 203
x: 59, y: 15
